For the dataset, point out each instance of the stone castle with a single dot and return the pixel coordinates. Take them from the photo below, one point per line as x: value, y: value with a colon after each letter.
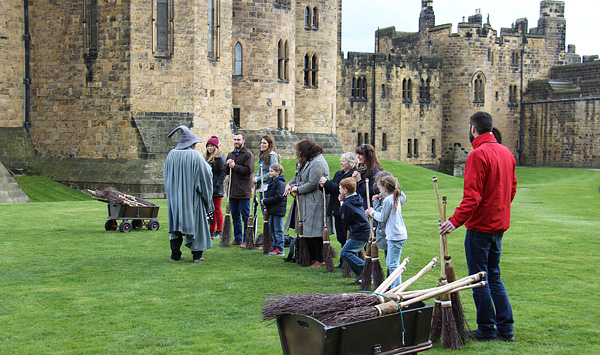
x: 91, y: 88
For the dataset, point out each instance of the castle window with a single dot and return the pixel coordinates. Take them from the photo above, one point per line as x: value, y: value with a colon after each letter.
x: 90, y: 27
x: 366, y: 138
x: 406, y: 91
x: 283, y: 2
x: 433, y: 148
x: 515, y: 58
x: 214, y: 25
x: 428, y: 90
x: 307, y: 70
x: 314, y: 70
x: 512, y: 96
x: 359, y: 142
x: 363, y: 88
x: 236, y: 117
x: 286, y: 122
x: 478, y: 88
x: 279, y: 118
x: 409, y: 149
x: 424, y: 91
x: 416, y: 148
x: 282, y: 60
x: 384, y: 141
x: 307, y: 16
x: 162, y: 20
x: 382, y: 90
x: 237, y: 66
x: 353, y: 88
x: 315, y: 18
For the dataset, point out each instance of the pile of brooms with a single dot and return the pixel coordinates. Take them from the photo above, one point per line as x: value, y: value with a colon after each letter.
x: 337, y: 309
x: 116, y: 197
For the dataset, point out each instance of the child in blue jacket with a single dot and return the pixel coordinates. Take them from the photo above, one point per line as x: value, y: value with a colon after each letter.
x: 276, y: 202
x: 354, y: 220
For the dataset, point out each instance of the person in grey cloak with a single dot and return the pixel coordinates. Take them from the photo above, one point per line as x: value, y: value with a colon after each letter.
x: 188, y: 187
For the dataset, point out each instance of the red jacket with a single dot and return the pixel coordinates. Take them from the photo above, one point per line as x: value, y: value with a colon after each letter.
x: 490, y: 187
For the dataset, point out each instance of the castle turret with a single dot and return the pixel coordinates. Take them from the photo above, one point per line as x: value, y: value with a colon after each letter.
x: 427, y: 18
x: 552, y: 24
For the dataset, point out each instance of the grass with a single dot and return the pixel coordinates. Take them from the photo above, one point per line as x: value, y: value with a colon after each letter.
x: 68, y: 286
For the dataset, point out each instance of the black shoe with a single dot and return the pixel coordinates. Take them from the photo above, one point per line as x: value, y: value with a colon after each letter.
x: 478, y: 336
x: 507, y: 338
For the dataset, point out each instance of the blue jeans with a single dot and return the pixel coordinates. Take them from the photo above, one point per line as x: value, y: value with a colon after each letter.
x: 494, y: 312
x: 276, y: 227
x: 392, y: 258
x: 350, y: 252
x: 240, y: 211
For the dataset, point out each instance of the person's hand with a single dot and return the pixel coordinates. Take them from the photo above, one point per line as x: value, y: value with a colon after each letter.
x: 356, y: 176
x: 369, y: 211
x: 447, y: 227
x: 322, y: 181
x: 375, y: 197
x: 294, y: 189
x: 262, y: 201
x: 288, y: 190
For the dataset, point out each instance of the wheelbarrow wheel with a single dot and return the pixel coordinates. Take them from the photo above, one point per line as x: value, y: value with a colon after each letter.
x: 153, y: 225
x: 110, y: 225
x: 137, y: 224
x: 125, y: 227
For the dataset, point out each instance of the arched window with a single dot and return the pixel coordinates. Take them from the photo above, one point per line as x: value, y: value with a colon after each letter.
x: 479, y: 88
x: 280, y: 60
x: 422, y: 90
x: 315, y: 18
x: 353, y: 88
x: 404, y: 96
x: 409, y: 91
x: 363, y: 88
x: 314, y: 69
x: 428, y: 89
x: 237, y: 62
x: 307, y: 16
x: 306, y: 70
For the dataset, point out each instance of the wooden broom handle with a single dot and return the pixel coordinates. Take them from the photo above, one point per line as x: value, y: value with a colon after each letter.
x: 445, y: 289
x: 324, y: 210
x: 412, y: 280
x: 444, y: 236
x: 371, y: 237
x: 390, y: 279
x: 437, y: 196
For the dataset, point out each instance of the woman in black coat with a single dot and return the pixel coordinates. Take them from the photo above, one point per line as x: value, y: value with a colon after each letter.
x: 216, y: 160
x: 348, y: 163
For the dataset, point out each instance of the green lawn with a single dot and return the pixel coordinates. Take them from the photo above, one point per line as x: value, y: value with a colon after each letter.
x: 67, y: 286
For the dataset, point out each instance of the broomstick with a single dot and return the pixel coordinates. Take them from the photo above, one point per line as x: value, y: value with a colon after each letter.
x: 328, y: 251
x: 303, y: 253
x: 451, y: 337
x: 356, y: 314
x: 266, y: 245
x: 249, y: 237
x: 346, y: 270
x: 376, y: 270
x: 226, y: 234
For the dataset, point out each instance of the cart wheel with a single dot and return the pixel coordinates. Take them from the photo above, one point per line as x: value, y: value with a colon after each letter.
x: 137, y: 224
x: 110, y: 225
x: 125, y: 227
x: 153, y: 225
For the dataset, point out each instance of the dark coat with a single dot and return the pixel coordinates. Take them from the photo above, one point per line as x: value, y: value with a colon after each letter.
x: 241, y: 174
x: 354, y: 218
x: 361, y: 186
x: 218, y: 174
x: 332, y: 187
x: 274, y: 200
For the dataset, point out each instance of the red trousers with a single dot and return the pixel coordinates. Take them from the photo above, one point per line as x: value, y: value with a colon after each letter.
x: 218, y: 214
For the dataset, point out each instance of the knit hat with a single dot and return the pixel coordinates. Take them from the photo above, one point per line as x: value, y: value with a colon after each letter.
x: 214, y: 140
x: 186, y: 138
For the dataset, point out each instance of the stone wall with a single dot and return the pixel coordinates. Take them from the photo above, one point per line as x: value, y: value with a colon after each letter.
x: 12, y: 72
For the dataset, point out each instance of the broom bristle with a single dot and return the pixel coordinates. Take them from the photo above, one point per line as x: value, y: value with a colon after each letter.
x: 459, y: 316
x: 226, y: 233
x: 328, y: 251
x: 450, y: 337
x: 436, y: 322
x: 346, y: 271
x: 377, y: 271
x: 355, y: 314
x: 249, y: 238
x: 267, y: 244
x: 366, y: 274
x: 303, y: 253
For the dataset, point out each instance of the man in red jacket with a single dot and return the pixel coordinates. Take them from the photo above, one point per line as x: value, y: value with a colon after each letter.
x: 489, y: 188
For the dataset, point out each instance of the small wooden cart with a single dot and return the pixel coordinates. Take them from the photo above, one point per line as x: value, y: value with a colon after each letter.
x: 132, y: 217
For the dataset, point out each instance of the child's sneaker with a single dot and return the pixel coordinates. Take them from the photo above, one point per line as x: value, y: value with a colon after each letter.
x: 277, y: 252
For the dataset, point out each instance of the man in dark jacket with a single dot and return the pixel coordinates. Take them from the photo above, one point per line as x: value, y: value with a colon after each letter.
x: 275, y: 202
x: 355, y: 221
x: 489, y: 188
x: 240, y: 167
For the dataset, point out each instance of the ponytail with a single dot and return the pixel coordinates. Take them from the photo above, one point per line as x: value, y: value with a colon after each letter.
x: 391, y: 186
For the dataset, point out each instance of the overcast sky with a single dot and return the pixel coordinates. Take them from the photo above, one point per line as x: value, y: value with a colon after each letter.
x: 361, y: 18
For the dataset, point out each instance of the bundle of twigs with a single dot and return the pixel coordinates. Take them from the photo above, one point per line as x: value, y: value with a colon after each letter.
x: 328, y: 251
x: 326, y: 306
x: 116, y: 197
x: 249, y: 237
x: 226, y: 234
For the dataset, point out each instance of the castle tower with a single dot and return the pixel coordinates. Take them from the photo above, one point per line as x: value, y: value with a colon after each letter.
x: 263, y: 45
x: 316, y: 66
x: 552, y: 24
x: 427, y: 17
